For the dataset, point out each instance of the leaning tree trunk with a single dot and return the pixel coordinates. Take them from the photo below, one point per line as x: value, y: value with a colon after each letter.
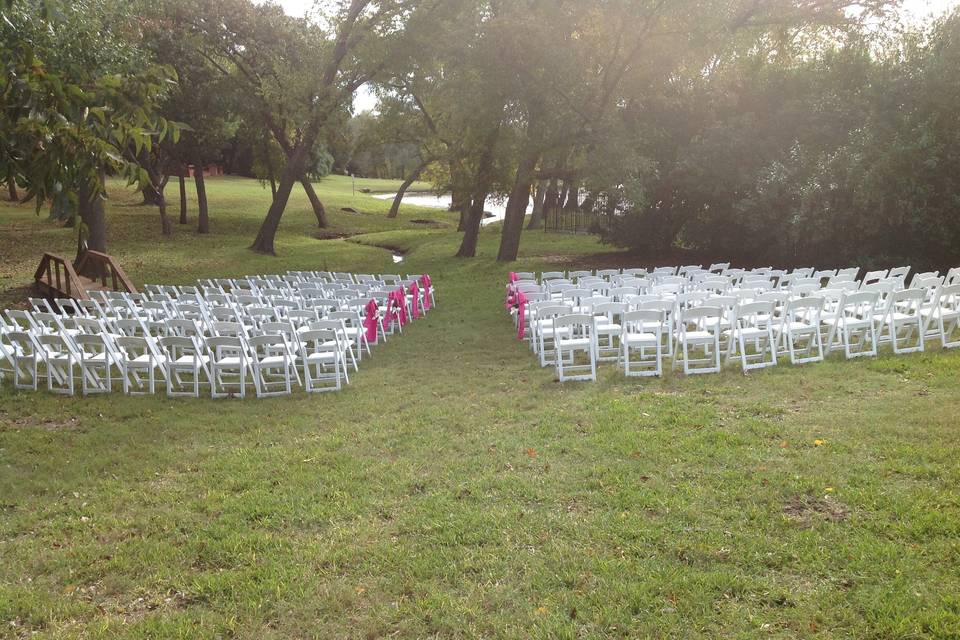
x: 12, y: 188
x: 395, y: 207
x: 468, y: 247
x: 315, y: 202
x: 484, y: 178
x: 203, y: 214
x: 264, y: 242
x: 516, y: 210
x: 92, y: 214
x: 536, y: 216
x: 183, y: 197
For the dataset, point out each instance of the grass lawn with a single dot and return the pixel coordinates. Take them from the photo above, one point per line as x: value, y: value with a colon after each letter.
x: 454, y: 490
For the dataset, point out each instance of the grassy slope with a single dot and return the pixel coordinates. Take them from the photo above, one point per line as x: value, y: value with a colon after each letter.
x: 455, y: 490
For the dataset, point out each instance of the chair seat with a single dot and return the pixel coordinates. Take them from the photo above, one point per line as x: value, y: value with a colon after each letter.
x: 640, y: 338
x: 322, y: 356
x: 273, y: 361
x: 748, y: 333
x: 575, y: 343
x: 609, y: 328
x: 798, y: 327
x: 230, y: 361
x: 856, y: 323
x: 699, y: 336
x: 940, y: 312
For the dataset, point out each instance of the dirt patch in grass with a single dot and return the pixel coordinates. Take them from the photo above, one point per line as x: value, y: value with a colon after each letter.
x: 331, y: 235
x: 431, y: 224
x: 806, y: 508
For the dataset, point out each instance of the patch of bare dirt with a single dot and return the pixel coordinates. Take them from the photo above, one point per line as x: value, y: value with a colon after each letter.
x: 331, y: 235
x: 806, y: 508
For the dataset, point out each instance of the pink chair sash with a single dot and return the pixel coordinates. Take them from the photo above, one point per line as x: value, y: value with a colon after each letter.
x: 415, y: 293
x: 521, y: 310
x: 425, y: 279
x: 370, y: 321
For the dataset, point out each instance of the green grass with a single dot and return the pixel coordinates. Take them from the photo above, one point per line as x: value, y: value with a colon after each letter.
x: 454, y: 490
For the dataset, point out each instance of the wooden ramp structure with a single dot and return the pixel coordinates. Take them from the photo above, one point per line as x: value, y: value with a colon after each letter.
x: 57, y: 277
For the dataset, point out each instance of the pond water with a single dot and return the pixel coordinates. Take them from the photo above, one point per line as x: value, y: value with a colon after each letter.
x: 498, y: 207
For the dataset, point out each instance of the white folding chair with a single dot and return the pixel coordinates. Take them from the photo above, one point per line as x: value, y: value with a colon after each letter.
x: 902, y: 320
x: 854, y: 327
x: 575, y: 334
x: 137, y: 356
x: 752, y: 328
x: 801, y: 325
x: 272, y: 365
x: 608, y: 319
x: 642, y: 332
x: 700, y: 328
x: 184, y: 356
x: 97, y: 360
x: 945, y: 312
x: 320, y: 359
x: 229, y: 365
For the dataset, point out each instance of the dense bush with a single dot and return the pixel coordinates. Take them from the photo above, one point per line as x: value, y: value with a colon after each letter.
x: 851, y: 156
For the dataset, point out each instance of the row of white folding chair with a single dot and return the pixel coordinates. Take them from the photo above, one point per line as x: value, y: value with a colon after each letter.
x: 857, y: 322
x: 139, y: 359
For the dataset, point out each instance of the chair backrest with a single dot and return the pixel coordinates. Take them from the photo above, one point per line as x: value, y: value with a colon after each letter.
x: 641, y: 319
x: 700, y: 317
x: 610, y: 310
x: 752, y: 314
x: 805, y: 310
x: 183, y: 327
x: 92, y: 343
x: 132, y: 346
x: 268, y: 344
x: 228, y: 329
x: 581, y: 323
x: 859, y: 304
x: 176, y: 346
x: 907, y: 301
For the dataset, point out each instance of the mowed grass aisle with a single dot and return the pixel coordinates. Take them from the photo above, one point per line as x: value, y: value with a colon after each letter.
x: 454, y: 490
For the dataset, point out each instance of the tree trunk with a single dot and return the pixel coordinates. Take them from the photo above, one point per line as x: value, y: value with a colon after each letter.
x: 395, y: 207
x: 484, y: 177
x: 517, y: 209
x: 264, y: 242
x: 468, y: 247
x: 270, y: 171
x: 562, y: 192
x: 93, y: 216
x: 183, y: 197
x: 12, y: 188
x: 318, y: 209
x: 203, y: 214
x: 166, y: 228
x: 573, y: 198
x: 536, y: 216
x: 149, y: 195
x: 457, y: 200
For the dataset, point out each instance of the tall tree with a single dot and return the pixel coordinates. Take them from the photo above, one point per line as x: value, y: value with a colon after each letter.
x: 299, y: 73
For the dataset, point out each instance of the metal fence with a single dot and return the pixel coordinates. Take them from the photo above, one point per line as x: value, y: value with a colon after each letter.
x: 589, y: 217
